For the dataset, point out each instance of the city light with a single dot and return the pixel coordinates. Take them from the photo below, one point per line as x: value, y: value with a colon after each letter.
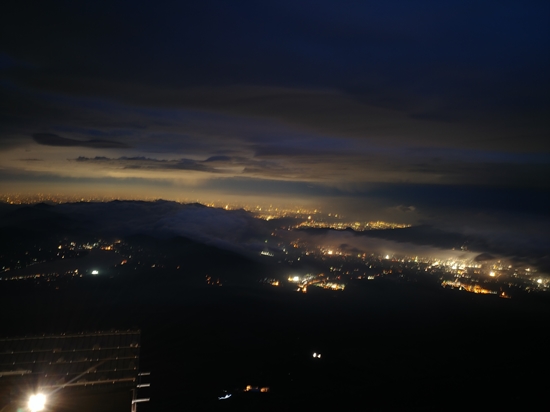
x: 95, y: 272
x: 37, y: 402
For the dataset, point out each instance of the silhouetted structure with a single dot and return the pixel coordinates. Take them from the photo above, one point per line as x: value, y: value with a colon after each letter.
x: 68, y: 366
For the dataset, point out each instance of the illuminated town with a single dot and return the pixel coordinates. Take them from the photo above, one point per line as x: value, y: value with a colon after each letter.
x: 338, y: 269
x: 357, y: 226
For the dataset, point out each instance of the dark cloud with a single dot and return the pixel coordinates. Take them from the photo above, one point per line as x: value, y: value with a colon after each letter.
x: 328, y: 113
x: 470, y: 199
x: 406, y: 209
x: 144, y: 163
x: 218, y: 159
x: 426, y: 52
x: 217, y: 164
x: 49, y: 139
x: 386, y: 73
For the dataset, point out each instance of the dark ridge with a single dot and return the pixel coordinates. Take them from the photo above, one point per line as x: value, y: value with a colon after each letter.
x: 44, y: 206
x: 60, y: 225
x: 39, y: 210
x: 40, y: 218
x: 194, y: 204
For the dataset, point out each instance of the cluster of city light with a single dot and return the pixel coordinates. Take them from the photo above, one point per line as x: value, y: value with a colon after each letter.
x: 318, y: 281
x: 455, y: 265
x: 263, y: 212
x: 332, y: 252
x: 330, y: 285
x: 27, y: 199
x: 466, y: 269
x: 57, y: 253
x: 467, y: 287
x: 357, y: 226
x: 262, y: 389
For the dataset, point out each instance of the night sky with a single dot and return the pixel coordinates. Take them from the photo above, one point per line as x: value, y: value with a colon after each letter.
x: 424, y: 112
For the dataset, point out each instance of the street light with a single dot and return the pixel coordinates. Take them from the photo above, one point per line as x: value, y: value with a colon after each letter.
x: 37, y: 402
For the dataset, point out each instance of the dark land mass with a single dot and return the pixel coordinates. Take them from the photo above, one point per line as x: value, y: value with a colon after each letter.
x: 386, y: 345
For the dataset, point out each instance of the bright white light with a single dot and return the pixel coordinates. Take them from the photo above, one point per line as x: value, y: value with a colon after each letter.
x: 221, y: 398
x: 539, y: 281
x: 314, y: 354
x: 387, y: 256
x: 296, y: 278
x: 95, y: 272
x: 492, y: 274
x: 37, y: 402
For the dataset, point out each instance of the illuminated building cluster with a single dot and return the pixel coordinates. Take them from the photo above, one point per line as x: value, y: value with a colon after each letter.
x: 303, y: 282
x: 330, y: 285
x: 357, y: 226
x: 27, y: 199
x: 261, y: 389
x: 475, y: 288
